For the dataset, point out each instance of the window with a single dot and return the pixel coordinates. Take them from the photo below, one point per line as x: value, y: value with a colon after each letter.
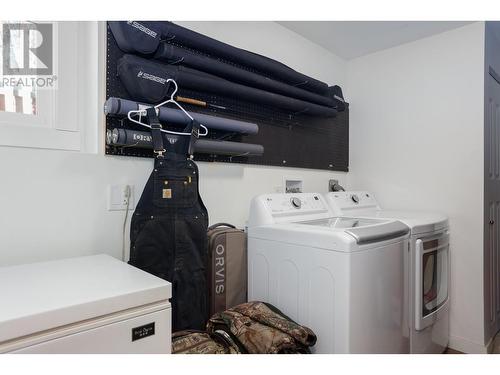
x: 48, y: 89
x: 16, y: 98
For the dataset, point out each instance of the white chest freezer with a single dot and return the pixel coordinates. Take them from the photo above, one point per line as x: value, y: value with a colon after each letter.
x: 92, y: 304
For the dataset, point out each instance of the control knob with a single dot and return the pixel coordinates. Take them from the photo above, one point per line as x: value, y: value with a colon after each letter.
x: 355, y: 198
x: 296, y: 202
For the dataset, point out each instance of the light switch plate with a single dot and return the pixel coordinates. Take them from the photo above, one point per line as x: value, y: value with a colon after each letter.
x: 117, y: 197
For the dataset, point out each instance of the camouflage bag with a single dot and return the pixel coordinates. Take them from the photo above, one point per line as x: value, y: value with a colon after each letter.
x: 199, y: 342
x: 258, y: 327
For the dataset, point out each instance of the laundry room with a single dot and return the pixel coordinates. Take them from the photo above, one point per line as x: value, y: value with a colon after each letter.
x: 261, y: 185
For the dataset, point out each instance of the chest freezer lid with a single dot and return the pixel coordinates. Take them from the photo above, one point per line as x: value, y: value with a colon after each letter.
x: 40, y: 296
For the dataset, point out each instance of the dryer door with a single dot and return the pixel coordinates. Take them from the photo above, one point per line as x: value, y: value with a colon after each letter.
x: 432, y: 279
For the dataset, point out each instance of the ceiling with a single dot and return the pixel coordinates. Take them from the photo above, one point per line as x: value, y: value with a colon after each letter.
x: 351, y: 39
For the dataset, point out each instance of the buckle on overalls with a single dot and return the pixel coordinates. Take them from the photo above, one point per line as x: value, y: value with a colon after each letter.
x: 160, y: 153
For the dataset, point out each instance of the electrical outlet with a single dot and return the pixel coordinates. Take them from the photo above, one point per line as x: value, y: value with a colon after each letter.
x: 293, y: 184
x: 119, y: 196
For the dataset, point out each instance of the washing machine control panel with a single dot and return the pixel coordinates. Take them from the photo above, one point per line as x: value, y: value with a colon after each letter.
x: 295, y: 203
x: 287, y: 208
x: 342, y: 202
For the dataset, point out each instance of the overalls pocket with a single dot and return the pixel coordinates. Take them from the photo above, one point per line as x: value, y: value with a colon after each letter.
x: 175, y: 190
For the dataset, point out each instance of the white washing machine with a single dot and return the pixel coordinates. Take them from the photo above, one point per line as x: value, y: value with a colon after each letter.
x: 426, y: 266
x: 92, y: 304
x: 342, y: 277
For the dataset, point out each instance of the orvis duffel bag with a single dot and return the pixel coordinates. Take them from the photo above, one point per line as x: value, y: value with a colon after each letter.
x: 227, y: 267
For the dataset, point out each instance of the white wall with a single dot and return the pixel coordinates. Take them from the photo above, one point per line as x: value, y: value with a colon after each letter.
x: 53, y: 203
x: 416, y: 141
x: 277, y: 42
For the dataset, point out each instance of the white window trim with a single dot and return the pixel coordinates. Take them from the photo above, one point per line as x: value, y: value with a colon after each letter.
x: 69, y: 115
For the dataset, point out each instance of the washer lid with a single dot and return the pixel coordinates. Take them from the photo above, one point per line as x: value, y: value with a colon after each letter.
x: 363, y: 204
x: 364, y: 230
x: 344, y: 222
x: 418, y: 221
x: 40, y: 296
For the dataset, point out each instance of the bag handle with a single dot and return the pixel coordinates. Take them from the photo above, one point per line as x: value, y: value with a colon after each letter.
x: 221, y: 225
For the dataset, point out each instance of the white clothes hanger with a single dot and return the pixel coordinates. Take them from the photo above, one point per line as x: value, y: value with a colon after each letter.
x: 142, y: 112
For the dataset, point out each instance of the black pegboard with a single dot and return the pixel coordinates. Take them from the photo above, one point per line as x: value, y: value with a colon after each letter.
x: 291, y: 140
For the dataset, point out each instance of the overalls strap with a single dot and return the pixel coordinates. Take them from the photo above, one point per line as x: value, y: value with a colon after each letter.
x: 156, y: 127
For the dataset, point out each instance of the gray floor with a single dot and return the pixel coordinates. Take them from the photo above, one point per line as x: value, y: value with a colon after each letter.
x: 494, y: 350
x: 496, y: 345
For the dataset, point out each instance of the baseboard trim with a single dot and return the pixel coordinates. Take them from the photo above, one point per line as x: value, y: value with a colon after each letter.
x: 466, y: 346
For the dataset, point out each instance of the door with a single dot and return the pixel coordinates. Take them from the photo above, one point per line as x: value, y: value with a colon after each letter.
x: 432, y: 278
x: 492, y: 206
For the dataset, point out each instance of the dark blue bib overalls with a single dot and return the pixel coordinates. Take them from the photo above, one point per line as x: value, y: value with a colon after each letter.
x: 168, y: 235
